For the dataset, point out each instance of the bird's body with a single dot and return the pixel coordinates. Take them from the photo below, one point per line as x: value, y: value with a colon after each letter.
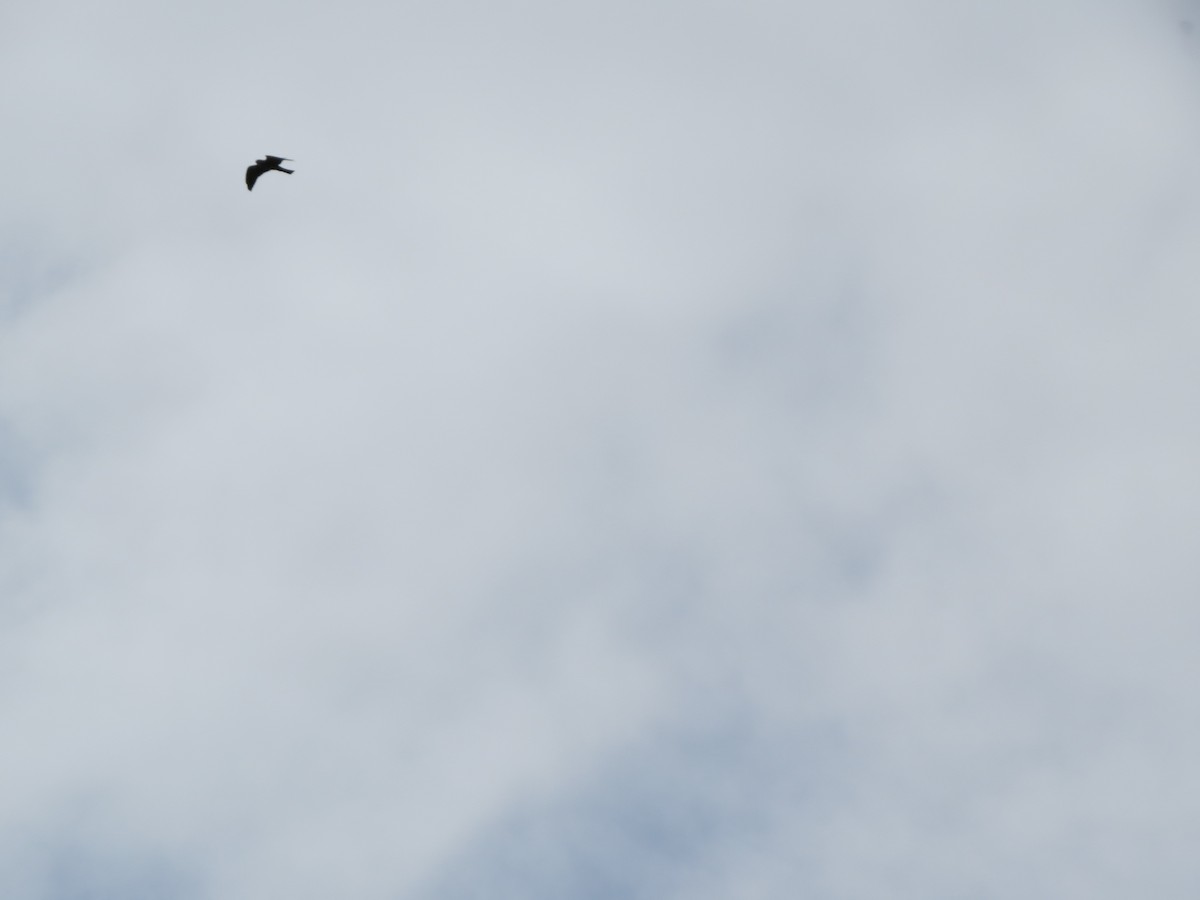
x: 265, y: 165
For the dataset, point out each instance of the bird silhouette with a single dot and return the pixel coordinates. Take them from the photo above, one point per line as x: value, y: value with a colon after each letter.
x: 265, y: 165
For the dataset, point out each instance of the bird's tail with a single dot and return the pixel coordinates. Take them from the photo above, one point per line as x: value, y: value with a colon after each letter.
x: 282, y: 169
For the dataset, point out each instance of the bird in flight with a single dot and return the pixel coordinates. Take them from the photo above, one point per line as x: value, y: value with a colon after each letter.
x: 265, y: 165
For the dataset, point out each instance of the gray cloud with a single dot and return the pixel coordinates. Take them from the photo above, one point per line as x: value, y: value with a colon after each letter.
x: 723, y: 451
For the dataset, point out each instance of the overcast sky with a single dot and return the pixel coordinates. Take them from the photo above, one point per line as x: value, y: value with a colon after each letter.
x: 681, y: 451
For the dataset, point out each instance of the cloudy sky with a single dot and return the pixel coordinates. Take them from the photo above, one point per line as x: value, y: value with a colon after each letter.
x: 646, y: 450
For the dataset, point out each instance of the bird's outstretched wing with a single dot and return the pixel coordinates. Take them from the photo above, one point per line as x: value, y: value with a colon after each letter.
x: 275, y: 160
x: 252, y: 174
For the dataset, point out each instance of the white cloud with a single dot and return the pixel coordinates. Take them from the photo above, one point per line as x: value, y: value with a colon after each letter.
x: 643, y: 450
